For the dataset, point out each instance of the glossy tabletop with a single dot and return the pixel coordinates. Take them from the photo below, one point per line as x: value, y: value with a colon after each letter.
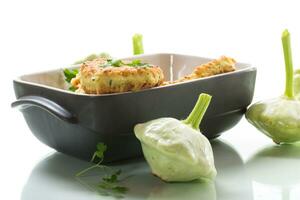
x: 44, y: 35
x: 249, y: 165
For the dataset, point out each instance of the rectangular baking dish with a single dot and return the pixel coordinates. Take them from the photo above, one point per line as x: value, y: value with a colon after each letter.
x: 74, y: 123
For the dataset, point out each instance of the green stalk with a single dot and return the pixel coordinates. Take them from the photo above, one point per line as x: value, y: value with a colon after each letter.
x: 196, y: 116
x: 137, y: 41
x: 91, y: 167
x: 286, y: 44
x: 86, y: 170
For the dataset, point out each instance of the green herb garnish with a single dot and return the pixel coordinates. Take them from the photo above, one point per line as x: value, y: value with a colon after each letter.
x: 72, y: 88
x: 98, y: 155
x: 69, y: 74
x: 138, y: 63
x: 110, y: 82
x: 109, y: 184
x: 117, y: 63
x: 120, y: 63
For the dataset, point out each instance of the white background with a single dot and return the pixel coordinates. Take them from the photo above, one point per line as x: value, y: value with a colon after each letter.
x: 40, y: 35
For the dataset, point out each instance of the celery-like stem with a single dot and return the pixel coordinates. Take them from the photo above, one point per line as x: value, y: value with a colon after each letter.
x: 137, y: 41
x: 286, y: 44
x: 196, y: 116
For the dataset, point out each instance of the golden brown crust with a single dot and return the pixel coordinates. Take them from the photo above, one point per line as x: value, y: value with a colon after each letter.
x: 75, y: 82
x: 94, y: 79
x: 218, y: 66
x: 102, y: 80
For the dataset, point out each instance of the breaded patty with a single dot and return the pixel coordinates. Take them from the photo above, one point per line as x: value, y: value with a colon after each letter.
x: 218, y: 66
x: 96, y: 78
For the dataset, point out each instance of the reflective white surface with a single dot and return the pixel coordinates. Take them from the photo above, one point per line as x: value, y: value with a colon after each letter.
x: 42, y: 35
x: 269, y: 172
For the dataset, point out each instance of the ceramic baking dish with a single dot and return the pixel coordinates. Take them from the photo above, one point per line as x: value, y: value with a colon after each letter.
x: 74, y: 123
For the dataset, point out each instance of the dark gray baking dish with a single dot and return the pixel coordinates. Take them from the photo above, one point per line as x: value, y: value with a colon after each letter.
x: 74, y: 123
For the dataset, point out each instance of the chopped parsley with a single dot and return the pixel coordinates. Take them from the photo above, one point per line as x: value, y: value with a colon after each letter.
x: 119, y: 63
x: 69, y: 74
x: 109, y: 183
x: 72, y: 88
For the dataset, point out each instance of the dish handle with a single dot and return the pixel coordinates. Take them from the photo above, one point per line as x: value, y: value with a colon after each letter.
x: 51, y: 107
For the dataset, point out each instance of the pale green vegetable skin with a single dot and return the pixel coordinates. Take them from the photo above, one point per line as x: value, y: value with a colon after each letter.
x: 279, y: 118
x: 176, y: 150
x: 297, y: 84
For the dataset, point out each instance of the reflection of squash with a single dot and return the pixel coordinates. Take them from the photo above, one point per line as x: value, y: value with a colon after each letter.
x: 276, y: 166
x: 184, y: 191
x: 232, y: 180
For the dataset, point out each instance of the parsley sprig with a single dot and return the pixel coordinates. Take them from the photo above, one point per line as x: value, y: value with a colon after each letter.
x: 69, y: 74
x: 109, y: 183
x: 119, y: 63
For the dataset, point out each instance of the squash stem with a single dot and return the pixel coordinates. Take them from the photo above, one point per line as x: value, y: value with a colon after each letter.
x: 286, y: 44
x: 196, y: 116
x: 137, y: 41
